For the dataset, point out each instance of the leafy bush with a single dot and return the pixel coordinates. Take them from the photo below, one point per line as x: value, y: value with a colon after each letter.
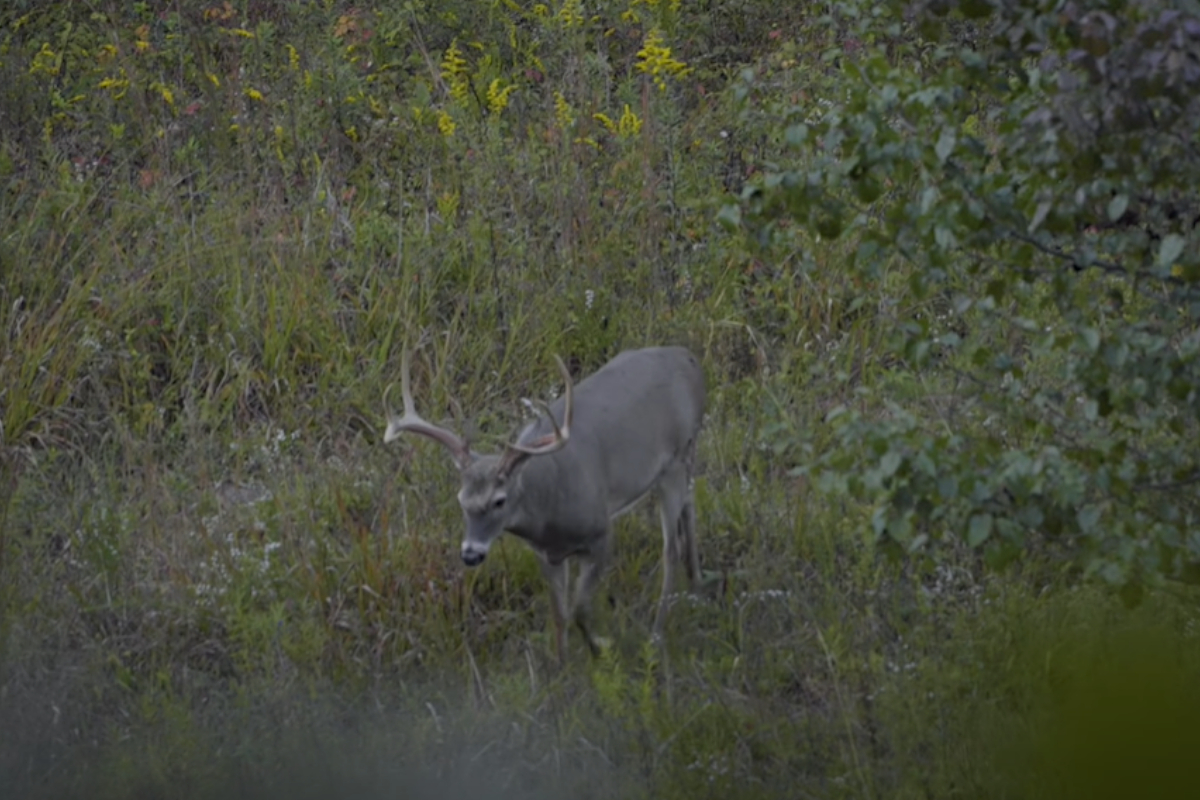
x: 1028, y: 169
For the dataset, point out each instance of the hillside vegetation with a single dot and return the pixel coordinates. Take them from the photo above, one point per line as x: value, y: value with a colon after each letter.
x: 938, y: 262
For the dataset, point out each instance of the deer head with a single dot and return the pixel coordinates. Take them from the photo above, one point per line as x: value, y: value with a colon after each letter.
x: 485, y: 497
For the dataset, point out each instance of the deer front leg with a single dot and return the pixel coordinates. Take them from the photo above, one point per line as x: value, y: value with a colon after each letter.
x: 557, y: 577
x: 592, y: 569
x: 673, y: 500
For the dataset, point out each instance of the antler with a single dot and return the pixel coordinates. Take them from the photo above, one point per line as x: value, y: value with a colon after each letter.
x: 411, y: 421
x: 515, y: 453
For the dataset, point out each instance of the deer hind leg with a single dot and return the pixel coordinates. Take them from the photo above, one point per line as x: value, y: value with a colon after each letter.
x: 558, y: 578
x: 673, y: 492
x: 592, y: 568
x: 689, y: 552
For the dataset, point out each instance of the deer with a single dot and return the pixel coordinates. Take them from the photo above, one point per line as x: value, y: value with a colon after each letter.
x: 592, y: 455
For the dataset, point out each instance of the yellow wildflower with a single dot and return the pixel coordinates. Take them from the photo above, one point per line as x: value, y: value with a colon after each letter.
x: 629, y: 124
x: 497, y: 96
x: 117, y: 87
x: 445, y: 124
x: 254, y: 94
x: 293, y: 57
x: 655, y: 59
x: 571, y: 13
x: 564, y: 115
x: 45, y: 62
x: 214, y: 79
x: 165, y: 92
x: 454, y: 71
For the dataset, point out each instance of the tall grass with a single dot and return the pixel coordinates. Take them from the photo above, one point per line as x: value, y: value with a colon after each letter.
x: 215, y: 579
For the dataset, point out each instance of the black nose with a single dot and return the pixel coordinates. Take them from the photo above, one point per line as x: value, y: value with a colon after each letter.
x: 472, y: 558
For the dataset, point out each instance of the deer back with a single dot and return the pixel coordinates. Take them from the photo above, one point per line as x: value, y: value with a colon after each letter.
x: 633, y: 418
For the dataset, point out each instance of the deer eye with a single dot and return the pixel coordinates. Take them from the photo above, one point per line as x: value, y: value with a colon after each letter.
x: 499, y: 502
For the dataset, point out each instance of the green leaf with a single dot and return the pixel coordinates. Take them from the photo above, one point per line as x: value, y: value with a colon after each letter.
x: 1039, y: 216
x: 1088, y: 518
x: 948, y: 487
x: 929, y: 198
x: 945, y: 237
x: 796, y: 135
x: 1091, y: 337
x: 879, y: 522
x: 979, y: 529
x: 945, y: 144
x: 1170, y: 249
x: 730, y: 216
x: 1112, y: 573
x: 1117, y: 206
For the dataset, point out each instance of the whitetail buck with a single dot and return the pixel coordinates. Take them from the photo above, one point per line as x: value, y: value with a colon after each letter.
x: 627, y: 429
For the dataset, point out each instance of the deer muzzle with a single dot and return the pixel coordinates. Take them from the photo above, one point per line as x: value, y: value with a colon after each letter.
x: 473, y: 555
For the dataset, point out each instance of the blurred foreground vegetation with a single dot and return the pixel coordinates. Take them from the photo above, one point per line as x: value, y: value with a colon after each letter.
x: 220, y: 224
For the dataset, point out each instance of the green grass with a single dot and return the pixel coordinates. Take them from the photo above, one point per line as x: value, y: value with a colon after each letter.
x: 216, y: 580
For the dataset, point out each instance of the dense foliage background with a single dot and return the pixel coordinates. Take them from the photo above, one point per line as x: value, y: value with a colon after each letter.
x: 938, y: 260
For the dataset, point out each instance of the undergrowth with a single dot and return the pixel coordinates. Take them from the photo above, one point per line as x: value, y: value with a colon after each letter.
x: 221, y: 226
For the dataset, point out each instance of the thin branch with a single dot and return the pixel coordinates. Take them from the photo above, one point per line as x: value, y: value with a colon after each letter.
x: 1106, y: 266
x: 1167, y: 486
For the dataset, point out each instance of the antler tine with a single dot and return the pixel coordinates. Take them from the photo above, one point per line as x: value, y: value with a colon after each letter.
x: 561, y: 435
x: 412, y: 421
